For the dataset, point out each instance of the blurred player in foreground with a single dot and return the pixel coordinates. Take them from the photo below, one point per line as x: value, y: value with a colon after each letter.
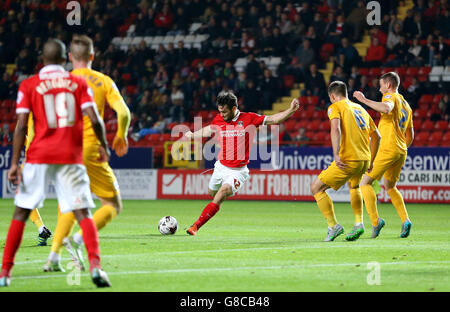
x: 355, y: 141
x: 57, y: 100
x: 397, y: 134
x: 235, y: 131
x: 103, y: 182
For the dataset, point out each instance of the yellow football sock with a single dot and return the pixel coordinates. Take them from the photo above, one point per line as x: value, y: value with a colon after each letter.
x: 65, y: 225
x: 103, y: 216
x: 35, y: 217
x: 370, y: 200
x: 399, y: 204
x: 356, y: 201
x: 326, y: 207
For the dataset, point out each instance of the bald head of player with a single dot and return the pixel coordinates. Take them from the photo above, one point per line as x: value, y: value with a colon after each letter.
x: 227, y: 105
x: 54, y: 52
x: 81, y: 51
x: 337, y: 91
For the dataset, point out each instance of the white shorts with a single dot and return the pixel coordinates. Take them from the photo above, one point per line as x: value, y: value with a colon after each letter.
x: 71, y: 184
x: 235, y: 177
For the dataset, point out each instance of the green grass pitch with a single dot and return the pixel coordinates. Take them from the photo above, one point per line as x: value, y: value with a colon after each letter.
x: 248, y: 246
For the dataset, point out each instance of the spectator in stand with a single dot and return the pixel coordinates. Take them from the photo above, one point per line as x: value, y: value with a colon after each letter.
x: 301, y: 137
x: 279, y: 42
x: 375, y: 54
x: 266, y: 43
x: 161, y: 78
x: 444, y: 106
x: 357, y: 19
x: 413, y: 93
x: 144, y: 122
x: 418, y: 53
x: 6, y: 87
x: 364, y: 85
x: 298, y: 30
x: 241, y: 84
x: 319, y: 25
x: 177, y: 112
x: 314, y: 82
x: 338, y: 30
x: 305, y: 54
x: 351, y: 87
x: 285, y: 24
x: 374, y: 90
x: 269, y: 89
x: 442, y: 52
x: 248, y: 43
x: 6, y: 135
x: 349, y: 51
x: 376, y: 32
x: 252, y: 69
x: 354, y: 74
x: 402, y: 55
x: 164, y: 20
x: 338, y: 75
x: 250, y: 97
x: 313, y: 39
x: 443, y: 23
x: 418, y: 28
x: 394, y: 37
x: 306, y: 13
x: 408, y: 24
x: 156, y: 128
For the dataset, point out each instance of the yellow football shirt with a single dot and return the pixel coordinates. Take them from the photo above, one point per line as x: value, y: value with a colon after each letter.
x: 105, y: 91
x: 393, y: 125
x: 356, y: 128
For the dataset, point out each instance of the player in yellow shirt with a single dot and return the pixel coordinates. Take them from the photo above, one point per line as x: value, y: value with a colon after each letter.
x: 103, y: 182
x: 397, y: 134
x: 355, y: 141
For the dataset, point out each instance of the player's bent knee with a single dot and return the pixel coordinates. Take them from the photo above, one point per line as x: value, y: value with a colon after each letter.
x: 212, y: 193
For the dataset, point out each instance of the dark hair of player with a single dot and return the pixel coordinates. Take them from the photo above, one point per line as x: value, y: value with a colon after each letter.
x: 81, y: 47
x: 54, y: 52
x: 392, y: 78
x: 226, y: 98
x: 338, y: 88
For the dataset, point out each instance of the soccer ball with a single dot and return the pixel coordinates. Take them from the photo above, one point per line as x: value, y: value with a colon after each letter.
x: 167, y: 225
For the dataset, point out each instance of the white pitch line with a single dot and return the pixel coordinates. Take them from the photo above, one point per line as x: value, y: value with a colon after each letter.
x: 346, y: 245
x: 202, y: 270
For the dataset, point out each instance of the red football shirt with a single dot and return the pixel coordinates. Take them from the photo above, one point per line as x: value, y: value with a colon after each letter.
x: 236, y: 137
x: 56, y: 99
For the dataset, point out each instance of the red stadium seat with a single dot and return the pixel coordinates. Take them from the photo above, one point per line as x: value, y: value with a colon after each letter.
x: 363, y: 71
x: 375, y: 72
x: 441, y: 125
x: 401, y: 71
x: 412, y: 71
x: 436, y: 99
x: 313, y: 100
x: 425, y: 100
x: 407, y: 81
x: 427, y: 125
x: 126, y: 77
x: 425, y: 70
x: 165, y: 137
x: 152, y: 137
x: 435, y: 138
x: 387, y: 70
x: 313, y: 125
x: 421, y: 138
x: 420, y: 113
x: 324, y: 125
x: 422, y: 78
x: 320, y: 136
x: 446, y: 139
x: 290, y: 124
x: 417, y: 123
x: 288, y: 81
x: 301, y: 124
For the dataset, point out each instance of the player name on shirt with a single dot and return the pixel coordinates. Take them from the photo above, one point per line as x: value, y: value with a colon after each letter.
x: 57, y: 82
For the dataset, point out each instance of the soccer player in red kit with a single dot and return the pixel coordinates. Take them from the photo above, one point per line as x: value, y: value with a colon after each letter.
x: 235, y: 130
x: 57, y: 100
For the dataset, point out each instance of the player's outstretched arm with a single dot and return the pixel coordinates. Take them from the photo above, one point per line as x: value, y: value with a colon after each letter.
x: 278, y: 118
x: 375, y: 139
x: 20, y: 134
x: 202, y: 133
x: 381, y: 107
x: 335, y: 134
x: 115, y: 100
x: 99, y: 129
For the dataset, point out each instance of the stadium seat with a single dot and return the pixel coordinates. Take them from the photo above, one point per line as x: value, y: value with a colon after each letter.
x: 446, y: 74
x: 401, y: 71
x: 441, y: 125
x: 290, y: 125
x: 417, y: 123
x: 301, y: 124
x: 288, y: 81
x: 446, y: 139
x: 165, y: 137
x: 420, y: 113
x: 320, y: 136
x: 435, y: 138
x: 375, y: 72
x: 313, y: 100
x: 424, y: 70
x: 313, y: 125
x: 412, y: 71
x: 425, y: 100
x: 407, y: 81
x: 436, y: 99
x: 387, y: 70
x: 363, y: 71
x: 324, y: 125
x: 436, y: 73
x: 421, y: 138
x: 428, y: 125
